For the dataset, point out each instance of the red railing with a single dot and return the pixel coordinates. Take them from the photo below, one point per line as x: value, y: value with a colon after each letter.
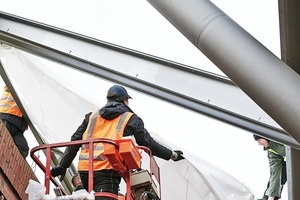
x: 154, y: 169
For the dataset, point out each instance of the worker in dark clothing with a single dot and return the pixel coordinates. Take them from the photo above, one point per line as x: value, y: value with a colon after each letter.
x: 113, y: 121
x: 76, y: 182
x: 12, y: 118
x: 277, y: 165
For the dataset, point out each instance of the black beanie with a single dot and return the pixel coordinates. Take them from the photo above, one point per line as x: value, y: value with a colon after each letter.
x: 256, y: 137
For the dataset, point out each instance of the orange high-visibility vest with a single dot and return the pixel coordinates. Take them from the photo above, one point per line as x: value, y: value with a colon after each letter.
x: 99, y: 127
x: 8, y: 104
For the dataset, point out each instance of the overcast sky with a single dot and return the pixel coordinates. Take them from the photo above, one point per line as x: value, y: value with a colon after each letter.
x: 137, y: 25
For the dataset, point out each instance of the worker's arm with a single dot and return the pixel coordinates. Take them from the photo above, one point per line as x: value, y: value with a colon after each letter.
x: 71, y: 151
x: 135, y: 127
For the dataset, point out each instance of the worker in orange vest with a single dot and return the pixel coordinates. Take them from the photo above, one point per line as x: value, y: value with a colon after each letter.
x: 13, y: 119
x: 113, y: 121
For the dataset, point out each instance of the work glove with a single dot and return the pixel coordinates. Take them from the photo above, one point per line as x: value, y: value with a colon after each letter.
x: 59, y: 170
x: 177, y: 155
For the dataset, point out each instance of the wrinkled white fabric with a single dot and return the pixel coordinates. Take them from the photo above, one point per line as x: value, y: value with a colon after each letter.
x: 36, y: 191
x: 56, y: 99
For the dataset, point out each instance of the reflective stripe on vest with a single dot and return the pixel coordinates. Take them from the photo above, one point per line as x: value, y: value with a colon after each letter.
x: 99, y: 127
x: 8, y: 105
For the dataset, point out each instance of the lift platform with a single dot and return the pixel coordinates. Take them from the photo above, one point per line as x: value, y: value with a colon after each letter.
x: 125, y: 157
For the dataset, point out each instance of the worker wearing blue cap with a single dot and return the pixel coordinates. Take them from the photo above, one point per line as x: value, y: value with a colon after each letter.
x: 103, y: 123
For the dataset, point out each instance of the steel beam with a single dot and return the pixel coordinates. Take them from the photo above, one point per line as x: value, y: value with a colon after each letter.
x: 139, y: 71
x: 267, y: 80
x: 270, y: 82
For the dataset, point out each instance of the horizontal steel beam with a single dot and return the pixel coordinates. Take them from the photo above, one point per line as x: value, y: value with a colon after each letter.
x: 205, y: 93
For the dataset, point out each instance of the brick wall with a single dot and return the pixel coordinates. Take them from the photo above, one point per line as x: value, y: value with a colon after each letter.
x: 15, y: 172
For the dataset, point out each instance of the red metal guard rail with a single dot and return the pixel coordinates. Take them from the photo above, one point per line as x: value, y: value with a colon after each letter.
x: 126, y: 176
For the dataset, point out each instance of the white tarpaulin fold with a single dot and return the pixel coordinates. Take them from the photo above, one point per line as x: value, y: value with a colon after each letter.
x: 56, y: 98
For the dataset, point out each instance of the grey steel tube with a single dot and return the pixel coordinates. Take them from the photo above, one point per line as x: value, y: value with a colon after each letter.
x: 267, y: 80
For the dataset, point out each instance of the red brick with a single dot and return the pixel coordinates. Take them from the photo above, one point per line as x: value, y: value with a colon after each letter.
x: 7, y: 189
x: 16, y: 171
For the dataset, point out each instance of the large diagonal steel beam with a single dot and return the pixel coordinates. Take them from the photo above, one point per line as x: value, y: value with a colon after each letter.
x: 270, y: 82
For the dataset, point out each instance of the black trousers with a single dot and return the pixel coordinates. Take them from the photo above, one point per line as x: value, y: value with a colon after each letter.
x: 18, y: 138
x: 104, y: 181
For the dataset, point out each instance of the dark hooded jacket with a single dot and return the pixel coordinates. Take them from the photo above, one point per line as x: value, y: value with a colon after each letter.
x: 135, y: 127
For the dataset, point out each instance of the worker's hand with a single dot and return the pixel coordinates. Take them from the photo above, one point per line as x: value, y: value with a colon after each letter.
x: 177, y: 155
x: 59, y: 170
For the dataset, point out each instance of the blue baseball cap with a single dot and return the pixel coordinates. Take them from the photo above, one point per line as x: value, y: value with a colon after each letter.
x: 117, y: 91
